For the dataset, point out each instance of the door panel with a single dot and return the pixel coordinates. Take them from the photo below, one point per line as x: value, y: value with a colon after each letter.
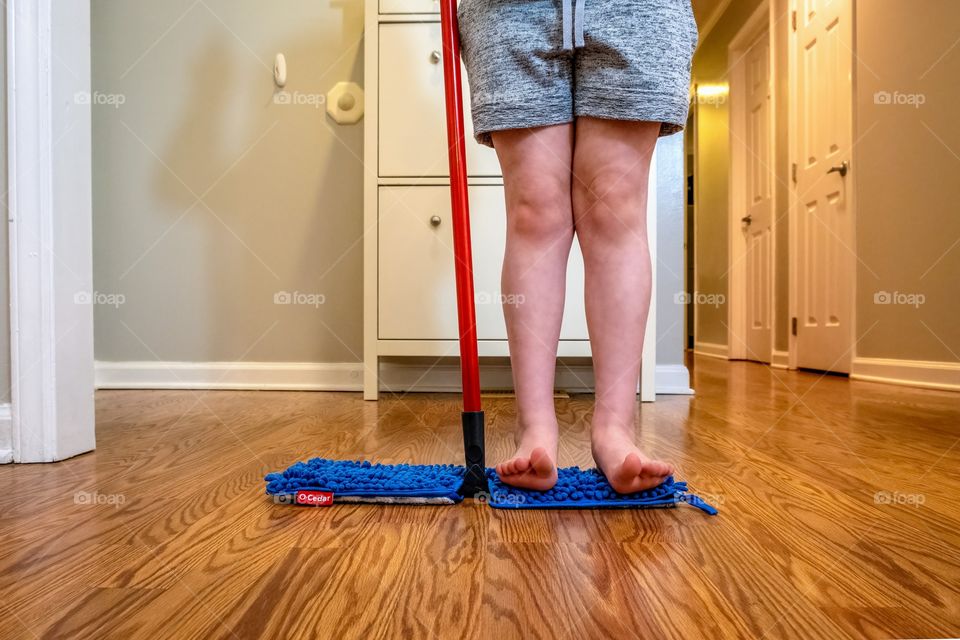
x: 759, y: 201
x: 825, y: 258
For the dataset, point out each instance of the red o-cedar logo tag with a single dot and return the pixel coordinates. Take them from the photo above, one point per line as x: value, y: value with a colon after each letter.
x: 314, y: 498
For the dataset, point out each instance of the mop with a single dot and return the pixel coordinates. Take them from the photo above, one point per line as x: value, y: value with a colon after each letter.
x: 321, y: 482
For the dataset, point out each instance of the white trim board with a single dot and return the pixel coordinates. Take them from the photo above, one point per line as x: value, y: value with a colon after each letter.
x: 344, y: 376
x: 673, y: 380
x: 6, y: 434
x: 913, y: 373
x: 50, y: 228
x: 780, y: 359
x: 711, y: 349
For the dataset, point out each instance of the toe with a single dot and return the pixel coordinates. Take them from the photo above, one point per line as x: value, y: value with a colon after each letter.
x: 540, y: 462
x: 631, y: 468
x: 512, y: 467
x: 656, y: 468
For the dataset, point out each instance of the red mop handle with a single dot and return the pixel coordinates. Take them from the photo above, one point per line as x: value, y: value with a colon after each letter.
x: 466, y: 311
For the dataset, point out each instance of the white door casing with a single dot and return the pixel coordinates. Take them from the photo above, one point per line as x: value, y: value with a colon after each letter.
x: 824, y: 258
x: 50, y: 228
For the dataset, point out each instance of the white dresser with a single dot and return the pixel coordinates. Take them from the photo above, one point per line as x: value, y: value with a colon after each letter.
x: 409, y: 289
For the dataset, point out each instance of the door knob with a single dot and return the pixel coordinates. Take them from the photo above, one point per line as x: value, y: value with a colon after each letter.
x: 842, y: 169
x: 435, y: 221
x: 747, y: 219
x: 435, y: 57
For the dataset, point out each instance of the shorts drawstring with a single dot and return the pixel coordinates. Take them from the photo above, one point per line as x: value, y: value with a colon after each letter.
x: 572, y: 33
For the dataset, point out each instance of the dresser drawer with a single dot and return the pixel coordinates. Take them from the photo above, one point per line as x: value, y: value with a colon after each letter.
x: 412, y: 120
x: 409, y: 6
x: 416, y: 285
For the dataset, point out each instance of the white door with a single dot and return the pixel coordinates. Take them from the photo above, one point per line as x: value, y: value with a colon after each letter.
x: 825, y: 260
x: 758, y: 214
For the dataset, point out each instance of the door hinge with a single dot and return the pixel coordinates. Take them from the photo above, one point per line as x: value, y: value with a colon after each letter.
x: 793, y: 326
x: 793, y: 172
x: 793, y: 20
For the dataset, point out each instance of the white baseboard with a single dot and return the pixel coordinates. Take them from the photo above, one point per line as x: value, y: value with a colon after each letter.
x: 286, y: 376
x: 343, y: 376
x: 711, y: 350
x: 780, y: 359
x: 399, y: 377
x: 6, y: 434
x: 673, y: 380
x: 914, y: 373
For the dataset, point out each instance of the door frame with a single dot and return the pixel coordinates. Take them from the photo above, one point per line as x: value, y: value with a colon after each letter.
x: 762, y: 18
x: 793, y: 206
x: 49, y: 221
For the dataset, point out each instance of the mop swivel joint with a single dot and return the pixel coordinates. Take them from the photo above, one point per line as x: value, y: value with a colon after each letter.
x: 475, y: 478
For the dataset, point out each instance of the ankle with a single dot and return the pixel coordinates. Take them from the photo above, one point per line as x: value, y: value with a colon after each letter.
x: 531, y: 436
x: 612, y: 431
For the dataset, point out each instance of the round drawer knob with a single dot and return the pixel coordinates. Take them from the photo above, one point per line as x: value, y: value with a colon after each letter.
x: 435, y: 57
x: 435, y: 221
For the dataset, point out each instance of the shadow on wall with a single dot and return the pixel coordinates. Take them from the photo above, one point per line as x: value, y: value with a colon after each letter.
x: 229, y: 220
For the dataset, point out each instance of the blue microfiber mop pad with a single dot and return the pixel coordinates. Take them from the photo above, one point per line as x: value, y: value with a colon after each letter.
x: 588, y: 489
x: 352, y: 481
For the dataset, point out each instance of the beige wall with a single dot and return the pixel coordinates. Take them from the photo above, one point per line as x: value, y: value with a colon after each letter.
x: 907, y: 164
x: 279, y: 185
x: 712, y: 173
x: 781, y: 199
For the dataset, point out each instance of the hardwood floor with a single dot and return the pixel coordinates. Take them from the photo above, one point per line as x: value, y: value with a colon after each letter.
x: 839, y: 518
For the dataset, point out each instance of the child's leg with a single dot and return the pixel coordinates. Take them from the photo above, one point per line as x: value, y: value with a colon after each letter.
x: 536, y: 176
x: 610, y: 170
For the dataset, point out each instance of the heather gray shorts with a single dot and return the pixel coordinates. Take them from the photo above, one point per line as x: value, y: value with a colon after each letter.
x: 533, y: 63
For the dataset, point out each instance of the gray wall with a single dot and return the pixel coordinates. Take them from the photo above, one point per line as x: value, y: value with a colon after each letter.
x: 281, y: 185
x: 210, y: 198
x: 671, y: 199
x: 907, y: 164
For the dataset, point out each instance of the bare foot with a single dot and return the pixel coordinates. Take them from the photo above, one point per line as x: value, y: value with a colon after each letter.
x: 627, y: 469
x: 532, y: 466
